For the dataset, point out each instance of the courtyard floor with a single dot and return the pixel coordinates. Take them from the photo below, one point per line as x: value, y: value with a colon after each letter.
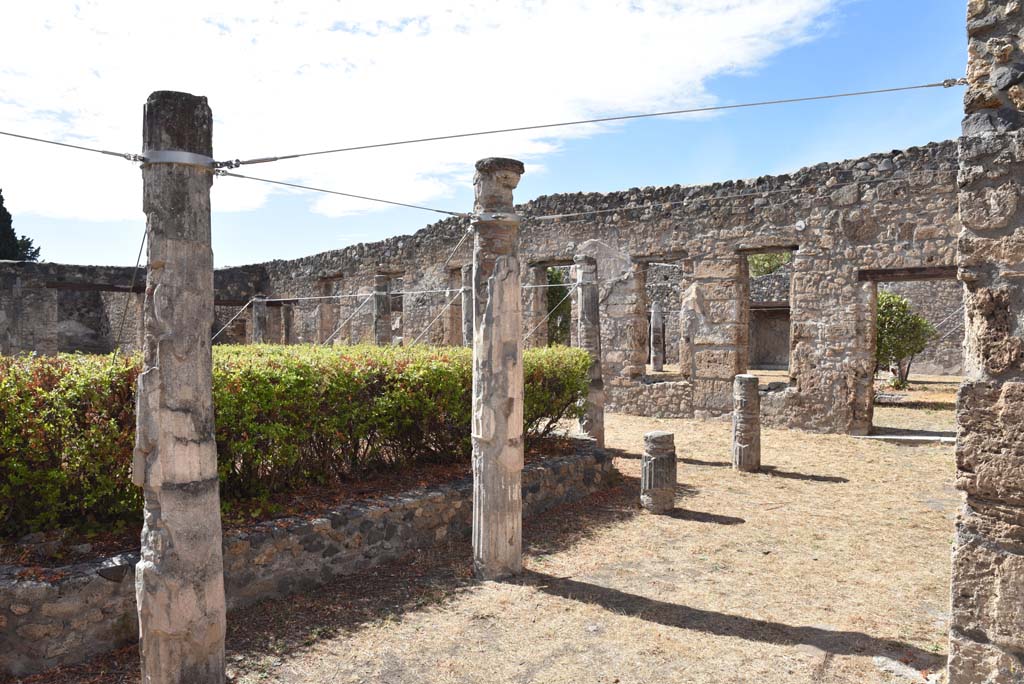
x: 830, y: 566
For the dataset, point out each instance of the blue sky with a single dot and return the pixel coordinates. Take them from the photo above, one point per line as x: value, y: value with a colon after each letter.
x: 840, y: 46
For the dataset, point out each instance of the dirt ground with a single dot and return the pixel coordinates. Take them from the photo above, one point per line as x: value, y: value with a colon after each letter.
x: 830, y: 566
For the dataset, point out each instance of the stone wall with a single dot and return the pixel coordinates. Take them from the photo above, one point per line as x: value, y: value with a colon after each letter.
x: 661, y: 399
x: 49, y: 308
x: 90, y: 608
x: 939, y: 301
x: 986, y: 631
x: 892, y: 210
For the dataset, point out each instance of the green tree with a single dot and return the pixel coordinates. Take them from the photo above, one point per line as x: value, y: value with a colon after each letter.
x: 12, y: 247
x: 769, y: 262
x: 559, y: 307
x: 902, y: 334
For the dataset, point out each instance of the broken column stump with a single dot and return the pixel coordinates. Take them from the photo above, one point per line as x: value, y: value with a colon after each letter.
x: 179, y: 581
x: 497, y: 373
x: 746, y: 424
x: 589, y: 338
x: 657, y: 338
x: 381, y: 310
x: 658, y: 472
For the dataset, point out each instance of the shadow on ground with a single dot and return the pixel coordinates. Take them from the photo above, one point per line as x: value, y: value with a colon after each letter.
x: 276, y: 629
x: 769, y: 470
x: 910, y: 432
x: 723, y: 624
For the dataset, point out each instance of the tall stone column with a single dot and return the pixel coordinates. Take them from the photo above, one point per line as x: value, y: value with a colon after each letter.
x: 467, y: 305
x: 497, y: 373
x: 657, y: 338
x: 381, y: 310
x: 179, y: 581
x: 589, y: 336
x: 746, y: 424
x: 259, y: 319
x: 986, y: 634
x: 535, y: 307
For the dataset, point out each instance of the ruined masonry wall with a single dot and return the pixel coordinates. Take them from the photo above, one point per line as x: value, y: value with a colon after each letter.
x: 891, y: 210
x: 90, y: 609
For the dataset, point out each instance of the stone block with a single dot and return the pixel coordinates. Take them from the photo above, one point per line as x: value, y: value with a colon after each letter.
x: 989, y: 208
x: 716, y: 363
x: 990, y: 450
x: 716, y: 268
x: 712, y: 396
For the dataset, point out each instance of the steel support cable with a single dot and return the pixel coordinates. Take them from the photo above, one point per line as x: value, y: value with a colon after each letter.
x: 231, y: 320
x: 302, y: 299
x: 342, y: 324
x: 124, y: 155
x: 430, y: 325
x: 235, y: 163
x: 572, y: 289
x: 342, y: 194
x: 469, y: 231
x: 131, y: 288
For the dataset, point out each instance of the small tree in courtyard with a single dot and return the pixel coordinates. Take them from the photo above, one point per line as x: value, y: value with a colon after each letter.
x: 12, y: 247
x: 902, y: 334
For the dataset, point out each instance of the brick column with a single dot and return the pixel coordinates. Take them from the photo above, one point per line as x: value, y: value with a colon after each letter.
x: 497, y: 373
x: 535, y: 307
x: 587, y: 299
x: 712, y: 350
x: 381, y: 310
x: 259, y: 319
x: 986, y: 636
x: 179, y: 582
x: 467, y: 305
x: 657, y: 338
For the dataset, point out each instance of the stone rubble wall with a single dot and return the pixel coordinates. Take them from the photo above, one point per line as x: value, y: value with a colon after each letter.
x: 891, y: 210
x: 666, y: 399
x: 939, y: 301
x: 986, y: 630
x: 50, y: 308
x: 90, y: 608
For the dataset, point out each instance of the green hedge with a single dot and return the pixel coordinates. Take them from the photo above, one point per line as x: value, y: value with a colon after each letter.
x: 286, y: 417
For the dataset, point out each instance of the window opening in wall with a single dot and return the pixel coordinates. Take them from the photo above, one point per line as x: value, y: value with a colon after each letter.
x: 558, y: 305
x: 768, y: 303
x: 662, y: 289
x: 919, y: 332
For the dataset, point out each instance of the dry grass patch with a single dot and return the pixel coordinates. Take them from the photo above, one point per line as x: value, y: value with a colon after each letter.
x: 831, y: 566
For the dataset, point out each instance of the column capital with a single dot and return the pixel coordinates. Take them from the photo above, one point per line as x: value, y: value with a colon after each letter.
x: 493, y: 183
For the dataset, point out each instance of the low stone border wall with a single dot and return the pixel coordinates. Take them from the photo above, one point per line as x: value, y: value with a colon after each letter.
x: 668, y: 399
x: 82, y: 610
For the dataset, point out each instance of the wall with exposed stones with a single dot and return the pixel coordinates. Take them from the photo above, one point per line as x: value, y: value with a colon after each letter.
x: 986, y: 631
x: 89, y: 608
x: 938, y: 301
x: 892, y: 210
x: 49, y: 308
x: 941, y: 302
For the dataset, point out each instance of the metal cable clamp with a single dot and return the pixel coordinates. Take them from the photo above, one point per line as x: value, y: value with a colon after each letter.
x: 177, y: 157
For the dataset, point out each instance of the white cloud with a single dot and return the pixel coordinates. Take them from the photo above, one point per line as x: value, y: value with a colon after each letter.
x: 333, y: 74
